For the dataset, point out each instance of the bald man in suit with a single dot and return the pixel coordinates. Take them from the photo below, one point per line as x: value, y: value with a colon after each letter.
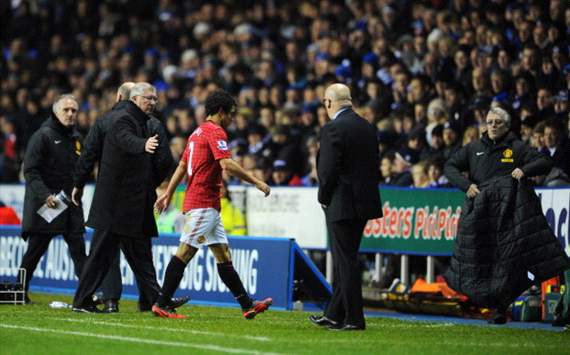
x: 348, y: 172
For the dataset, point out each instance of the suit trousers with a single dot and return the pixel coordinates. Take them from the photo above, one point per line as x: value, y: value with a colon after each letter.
x: 104, y: 248
x: 112, y: 285
x: 346, y: 304
x: 38, y: 245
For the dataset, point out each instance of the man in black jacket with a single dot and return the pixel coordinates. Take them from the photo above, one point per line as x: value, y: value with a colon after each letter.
x: 48, y: 167
x: 497, y: 154
x: 348, y: 172
x: 122, y: 208
x: 93, y: 148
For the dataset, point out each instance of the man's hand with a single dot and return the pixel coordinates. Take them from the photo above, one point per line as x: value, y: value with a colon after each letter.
x: 263, y: 187
x: 151, y: 144
x: 51, y: 201
x: 472, y: 191
x: 517, y: 174
x: 76, y: 195
x: 162, y: 202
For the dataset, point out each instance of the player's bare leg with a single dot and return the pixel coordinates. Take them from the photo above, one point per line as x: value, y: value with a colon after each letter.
x: 231, y: 279
x: 172, y: 278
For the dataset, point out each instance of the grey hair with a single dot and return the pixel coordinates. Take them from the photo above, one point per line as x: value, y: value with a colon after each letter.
x: 124, y: 90
x: 60, y: 98
x: 140, y: 88
x: 502, y: 113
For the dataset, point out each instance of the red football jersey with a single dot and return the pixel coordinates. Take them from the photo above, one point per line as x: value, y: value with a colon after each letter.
x: 205, y: 146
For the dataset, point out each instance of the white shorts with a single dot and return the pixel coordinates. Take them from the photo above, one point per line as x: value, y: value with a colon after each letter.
x: 203, y: 226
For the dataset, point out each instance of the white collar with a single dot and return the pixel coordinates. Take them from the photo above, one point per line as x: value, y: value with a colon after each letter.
x: 339, y: 112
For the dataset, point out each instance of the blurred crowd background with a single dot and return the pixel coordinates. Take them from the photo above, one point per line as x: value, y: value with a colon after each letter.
x: 423, y: 72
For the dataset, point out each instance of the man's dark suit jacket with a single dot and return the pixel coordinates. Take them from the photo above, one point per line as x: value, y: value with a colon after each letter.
x: 93, y: 147
x: 348, y: 168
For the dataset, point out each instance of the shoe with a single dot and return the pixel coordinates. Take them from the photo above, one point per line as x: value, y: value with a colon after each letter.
x: 86, y: 309
x: 166, y: 313
x: 258, y: 307
x: 176, y: 302
x: 498, y: 318
x: 345, y: 327
x: 27, y: 299
x: 97, y: 300
x: 111, y: 306
x: 322, y: 321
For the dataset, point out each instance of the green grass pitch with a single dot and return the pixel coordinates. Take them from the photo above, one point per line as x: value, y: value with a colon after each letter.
x: 38, y: 329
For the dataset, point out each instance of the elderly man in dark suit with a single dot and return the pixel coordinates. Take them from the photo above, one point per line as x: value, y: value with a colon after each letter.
x: 162, y: 164
x: 122, y: 208
x: 348, y: 171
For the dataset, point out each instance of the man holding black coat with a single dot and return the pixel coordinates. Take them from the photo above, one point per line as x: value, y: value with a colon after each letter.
x: 93, y: 148
x: 122, y: 208
x: 504, y: 243
x: 347, y: 167
x: 48, y: 168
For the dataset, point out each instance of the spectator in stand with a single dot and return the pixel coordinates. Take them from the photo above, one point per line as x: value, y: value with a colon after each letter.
x: 471, y: 134
x: 7, y: 215
x: 275, y: 61
x: 537, y: 138
x: 556, y: 147
x: 435, y: 173
x: 450, y: 139
x: 401, y: 166
x: 283, y: 175
x: 419, y: 176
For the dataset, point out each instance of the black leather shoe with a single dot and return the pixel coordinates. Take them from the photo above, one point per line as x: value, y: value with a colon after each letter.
x: 322, y: 321
x: 86, y: 309
x: 111, y: 306
x: 345, y: 327
x: 176, y: 302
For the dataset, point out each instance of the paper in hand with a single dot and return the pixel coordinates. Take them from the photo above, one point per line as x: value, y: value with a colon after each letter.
x: 49, y: 214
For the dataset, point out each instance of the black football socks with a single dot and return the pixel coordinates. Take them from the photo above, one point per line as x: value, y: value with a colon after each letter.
x: 172, y: 277
x: 231, y: 279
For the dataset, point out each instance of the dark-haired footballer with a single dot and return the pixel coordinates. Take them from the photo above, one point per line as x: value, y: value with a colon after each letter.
x: 206, y: 154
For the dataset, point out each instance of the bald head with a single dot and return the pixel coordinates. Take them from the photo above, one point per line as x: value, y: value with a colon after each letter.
x: 124, y: 91
x: 337, y: 96
x: 339, y: 92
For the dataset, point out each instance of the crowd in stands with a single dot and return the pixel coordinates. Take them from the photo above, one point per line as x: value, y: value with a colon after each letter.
x: 423, y: 72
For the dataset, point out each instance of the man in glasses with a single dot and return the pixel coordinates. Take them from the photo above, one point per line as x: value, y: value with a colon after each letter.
x: 111, y: 287
x: 504, y: 243
x: 122, y: 208
x: 348, y: 173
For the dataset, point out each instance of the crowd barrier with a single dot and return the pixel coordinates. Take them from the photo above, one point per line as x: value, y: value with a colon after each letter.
x: 268, y: 267
x: 416, y: 221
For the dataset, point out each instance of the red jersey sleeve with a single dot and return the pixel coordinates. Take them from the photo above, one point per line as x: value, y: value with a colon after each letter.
x: 218, y: 142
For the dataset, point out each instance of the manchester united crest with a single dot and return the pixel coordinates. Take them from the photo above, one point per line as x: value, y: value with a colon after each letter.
x: 507, y: 156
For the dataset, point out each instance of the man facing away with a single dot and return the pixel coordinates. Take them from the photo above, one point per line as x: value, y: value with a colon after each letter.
x: 206, y: 154
x: 348, y: 173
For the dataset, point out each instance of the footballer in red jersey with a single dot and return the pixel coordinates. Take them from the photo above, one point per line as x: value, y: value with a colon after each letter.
x: 206, y: 155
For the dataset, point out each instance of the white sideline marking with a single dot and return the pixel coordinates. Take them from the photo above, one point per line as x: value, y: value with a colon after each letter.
x: 138, y: 340
x: 174, y: 330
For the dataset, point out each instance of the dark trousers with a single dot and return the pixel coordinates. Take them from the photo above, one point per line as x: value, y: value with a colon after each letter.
x: 104, y: 247
x: 38, y: 245
x: 346, y: 302
x: 112, y: 285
